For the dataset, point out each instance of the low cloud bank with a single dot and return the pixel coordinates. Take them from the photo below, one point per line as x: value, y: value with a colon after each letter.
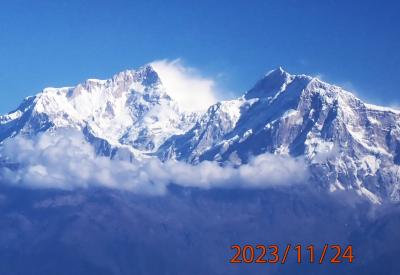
x: 65, y: 160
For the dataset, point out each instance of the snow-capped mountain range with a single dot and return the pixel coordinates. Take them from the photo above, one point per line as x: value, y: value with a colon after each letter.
x: 132, y: 110
x: 347, y: 143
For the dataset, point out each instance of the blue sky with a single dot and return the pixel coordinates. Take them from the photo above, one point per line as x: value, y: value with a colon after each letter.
x: 60, y: 43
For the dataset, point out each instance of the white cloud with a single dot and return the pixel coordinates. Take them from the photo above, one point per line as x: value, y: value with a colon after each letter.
x: 184, y: 84
x: 262, y: 171
x: 66, y: 161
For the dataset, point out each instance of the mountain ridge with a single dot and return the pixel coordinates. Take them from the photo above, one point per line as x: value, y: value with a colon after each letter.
x: 349, y: 145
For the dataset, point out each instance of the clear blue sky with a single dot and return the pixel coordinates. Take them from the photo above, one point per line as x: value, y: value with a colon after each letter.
x: 60, y: 43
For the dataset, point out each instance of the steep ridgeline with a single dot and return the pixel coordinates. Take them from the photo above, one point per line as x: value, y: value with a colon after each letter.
x: 348, y: 144
x: 132, y: 110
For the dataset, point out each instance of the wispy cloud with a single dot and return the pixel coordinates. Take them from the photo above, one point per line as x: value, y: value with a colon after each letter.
x: 186, y: 85
x: 66, y: 161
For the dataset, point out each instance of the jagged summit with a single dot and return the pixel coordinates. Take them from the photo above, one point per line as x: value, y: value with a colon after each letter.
x: 146, y: 75
x: 274, y: 82
x: 279, y: 71
x: 348, y: 144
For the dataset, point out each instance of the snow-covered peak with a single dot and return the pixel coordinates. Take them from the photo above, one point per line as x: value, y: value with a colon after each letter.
x: 284, y: 90
x: 273, y: 83
x: 279, y: 71
x: 142, y: 80
x: 348, y: 144
x: 146, y: 76
x: 131, y: 108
